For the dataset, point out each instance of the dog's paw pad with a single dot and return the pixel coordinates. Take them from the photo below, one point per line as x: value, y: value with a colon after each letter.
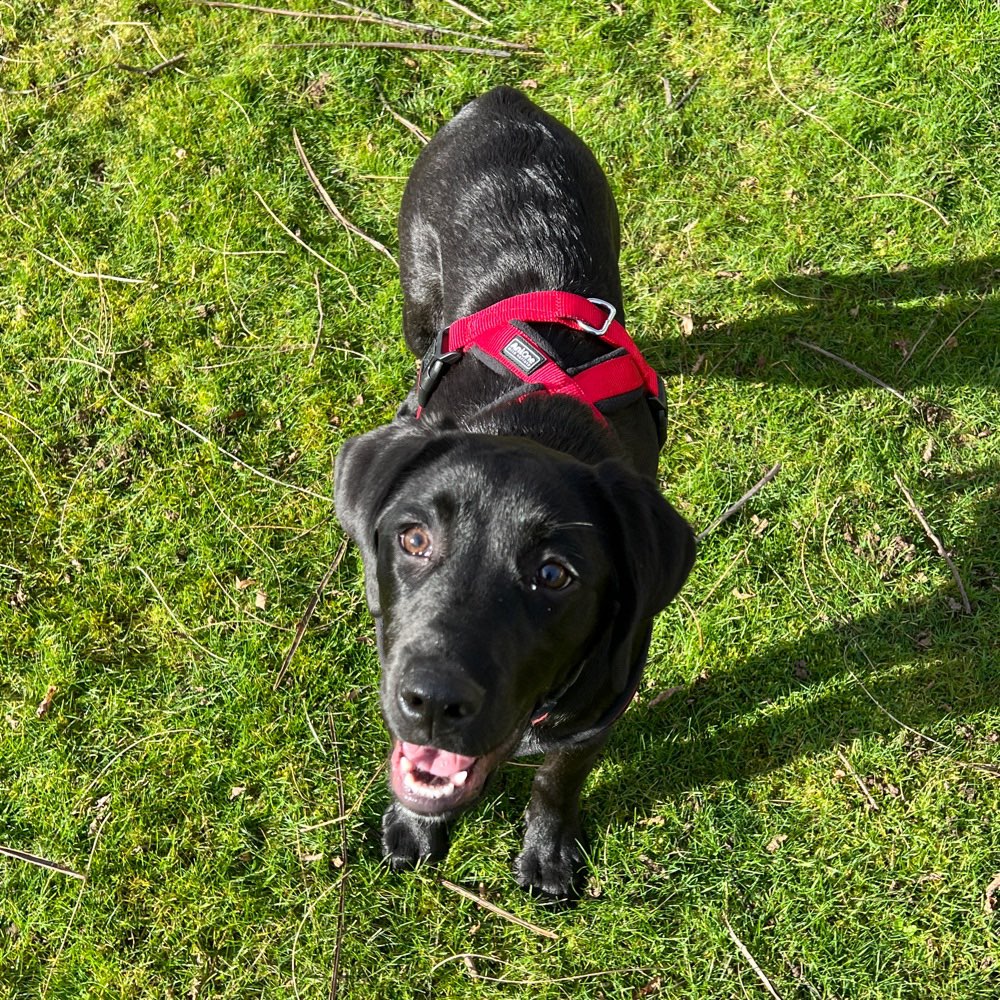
x: 551, y: 869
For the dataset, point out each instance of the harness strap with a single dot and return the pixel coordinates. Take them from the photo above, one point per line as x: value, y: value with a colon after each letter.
x: 492, y: 332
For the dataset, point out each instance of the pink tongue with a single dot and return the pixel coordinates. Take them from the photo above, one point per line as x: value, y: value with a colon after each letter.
x: 440, y: 763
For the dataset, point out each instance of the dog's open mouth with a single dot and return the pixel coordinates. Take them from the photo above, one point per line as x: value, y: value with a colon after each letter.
x: 428, y: 780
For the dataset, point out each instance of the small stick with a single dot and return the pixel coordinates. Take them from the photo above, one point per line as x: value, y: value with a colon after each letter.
x: 750, y: 959
x: 860, y: 371
x: 300, y: 629
x: 335, y: 975
x: 365, y: 16
x: 493, y: 908
x: 743, y: 500
x: 90, y: 274
x: 33, y: 859
x: 250, y: 468
x: 184, y: 630
x: 686, y: 96
x: 153, y: 70
x: 941, y: 346
x: 319, y: 325
x: 408, y: 46
x: 711, y: 6
x: 331, y: 207
x: 909, y: 197
x: 872, y: 804
x: 469, y: 13
x: 941, y: 550
x: 814, y: 117
x: 302, y: 243
x: 405, y: 123
x: 354, y: 808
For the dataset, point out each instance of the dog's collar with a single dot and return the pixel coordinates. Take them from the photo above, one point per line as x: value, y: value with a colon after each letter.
x: 497, y: 337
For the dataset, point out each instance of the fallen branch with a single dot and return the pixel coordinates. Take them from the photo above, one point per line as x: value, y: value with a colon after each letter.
x: 742, y: 502
x: 331, y: 207
x: 303, y: 624
x: 493, y: 908
x: 941, y: 550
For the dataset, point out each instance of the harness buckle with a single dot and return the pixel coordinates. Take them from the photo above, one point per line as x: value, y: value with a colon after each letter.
x: 434, y: 365
x: 602, y: 330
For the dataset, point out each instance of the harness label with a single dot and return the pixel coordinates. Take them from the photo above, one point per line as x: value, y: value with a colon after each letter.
x: 522, y: 355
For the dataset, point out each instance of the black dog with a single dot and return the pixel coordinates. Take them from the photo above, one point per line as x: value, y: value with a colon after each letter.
x: 515, y: 545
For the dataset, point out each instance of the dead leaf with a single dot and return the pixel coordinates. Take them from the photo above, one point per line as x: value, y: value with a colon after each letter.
x: 242, y: 585
x: 990, y: 902
x: 664, y: 695
x: 308, y: 858
x: 46, y: 703
x: 529, y: 84
x: 236, y: 791
x: 653, y: 986
x: 776, y: 843
x: 687, y: 326
x: 260, y: 601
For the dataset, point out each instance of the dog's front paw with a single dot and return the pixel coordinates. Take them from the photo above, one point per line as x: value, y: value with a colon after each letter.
x: 408, y: 838
x: 552, y: 864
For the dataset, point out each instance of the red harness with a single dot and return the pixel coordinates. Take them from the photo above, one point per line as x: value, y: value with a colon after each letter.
x: 496, y: 337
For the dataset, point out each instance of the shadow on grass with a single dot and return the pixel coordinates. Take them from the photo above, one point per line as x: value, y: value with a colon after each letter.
x: 924, y: 661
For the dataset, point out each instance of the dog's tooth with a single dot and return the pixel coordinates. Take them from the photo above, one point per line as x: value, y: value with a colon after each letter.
x: 405, y: 764
x: 459, y: 778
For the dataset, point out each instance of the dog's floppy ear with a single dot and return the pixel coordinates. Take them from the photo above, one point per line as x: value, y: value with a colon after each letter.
x: 657, y: 546
x: 367, y: 470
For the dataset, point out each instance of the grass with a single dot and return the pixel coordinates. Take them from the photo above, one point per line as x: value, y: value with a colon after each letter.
x: 819, y: 626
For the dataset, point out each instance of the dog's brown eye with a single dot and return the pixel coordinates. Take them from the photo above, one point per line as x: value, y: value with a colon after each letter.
x: 415, y: 541
x: 553, y: 576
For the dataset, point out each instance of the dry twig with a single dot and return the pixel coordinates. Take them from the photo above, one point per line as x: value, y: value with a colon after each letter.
x: 90, y: 274
x: 872, y: 804
x: 750, y: 959
x: 909, y: 197
x: 303, y: 624
x: 469, y: 13
x: 406, y: 123
x: 493, y: 908
x: 941, y: 550
x: 408, y: 46
x: 335, y: 975
x: 854, y: 368
x: 364, y: 16
x: 743, y: 501
x: 331, y: 207
x: 319, y: 324
x: 33, y: 859
x: 153, y: 70
x: 814, y: 117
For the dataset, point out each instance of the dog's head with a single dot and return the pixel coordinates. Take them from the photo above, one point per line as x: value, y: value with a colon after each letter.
x: 494, y: 568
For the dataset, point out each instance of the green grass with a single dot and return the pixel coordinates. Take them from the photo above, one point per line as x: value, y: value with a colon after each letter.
x: 815, y: 624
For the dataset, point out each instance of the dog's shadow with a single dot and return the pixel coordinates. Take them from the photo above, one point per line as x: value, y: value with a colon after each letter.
x: 912, y: 664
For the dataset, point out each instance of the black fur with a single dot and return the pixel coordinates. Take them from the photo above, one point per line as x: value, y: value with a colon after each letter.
x: 506, y: 200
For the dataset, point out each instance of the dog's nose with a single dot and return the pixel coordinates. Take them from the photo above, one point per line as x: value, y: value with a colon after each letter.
x: 438, y: 699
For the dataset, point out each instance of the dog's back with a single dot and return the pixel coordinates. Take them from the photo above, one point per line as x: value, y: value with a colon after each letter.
x: 503, y: 200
